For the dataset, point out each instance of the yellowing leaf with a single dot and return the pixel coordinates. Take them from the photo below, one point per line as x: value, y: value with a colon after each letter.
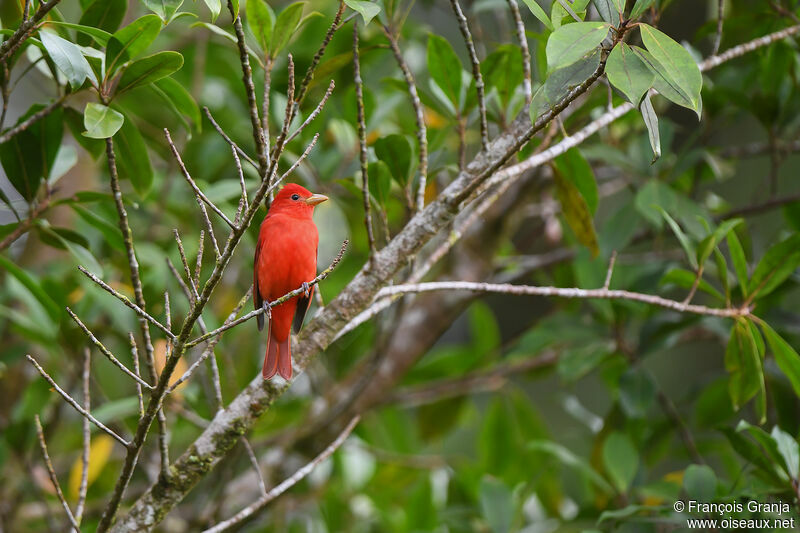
x: 160, y: 355
x: 99, y: 454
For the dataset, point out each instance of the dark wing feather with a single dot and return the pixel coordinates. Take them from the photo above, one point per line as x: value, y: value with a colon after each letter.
x: 303, y: 304
x: 257, y: 302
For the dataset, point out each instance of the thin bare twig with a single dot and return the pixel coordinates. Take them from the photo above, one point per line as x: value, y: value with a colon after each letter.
x: 193, y: 295
x: 362, y: 142
x: 225, y: 136
x: 75, y: 405
x: 563, y: 292
x: 285, y: 485
x: 198, y: 266
x: 53, y: 478
x: 33, y: 119
x: 196, y: 189
x: 24, y: 31
x: 254, y: 461
x: 313, y: 114
x: 25, y: 225
x: 135, y: 357
x: 297, y: 163
x: 610, y: 271
x: 419, y: 116
x: 718, y: 35
x: 463, y: 25
x: 337, y: 19
x: 105, y: 351
x: 526, y: 53
x: 87, y: 437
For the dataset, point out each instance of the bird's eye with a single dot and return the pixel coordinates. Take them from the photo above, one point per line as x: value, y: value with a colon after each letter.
x: 295, y: 197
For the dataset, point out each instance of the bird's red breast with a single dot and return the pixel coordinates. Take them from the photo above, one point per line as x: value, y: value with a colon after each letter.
x: 286, y: 257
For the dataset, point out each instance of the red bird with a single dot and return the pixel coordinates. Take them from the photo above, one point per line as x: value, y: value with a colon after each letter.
x: 286, y: 259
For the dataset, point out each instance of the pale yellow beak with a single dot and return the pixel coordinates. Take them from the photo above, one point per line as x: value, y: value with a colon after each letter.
x: 315, y: 199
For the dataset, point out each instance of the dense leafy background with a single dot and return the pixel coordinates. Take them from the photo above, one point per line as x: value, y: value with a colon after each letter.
x: 632, y: 406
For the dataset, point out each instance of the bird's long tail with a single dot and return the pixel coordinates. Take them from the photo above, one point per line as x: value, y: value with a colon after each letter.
x: 278, y: 359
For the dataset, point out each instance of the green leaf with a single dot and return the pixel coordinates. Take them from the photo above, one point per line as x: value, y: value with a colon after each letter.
x: 637, y: 392
x: 68, y: 58
x: 639, y: 7
x: 651, y: 122
x: 571, y: 42
x: 627, y: 72
x: 106, y: 15
x: 215, y: 7
x: 180, y: 98
x: 768, y: 445
x: 149, y: 69
x: 78, y: 251
x: 744, y: 365
x: 28, y: 157
x: 367, y: 10
x: 111, y: 232
x: 33, y: 286
x: 395, y: 151
x: 285, y: 26
x: 709, y: 244
x: 567, y: 458
x: 444, y: 68
x: 502, y: 70
x: 577, y: 170
x: 787, y: 358
x: 684, y: 241
x: 380, y: 181
x: 788, y: 449
x: 621, y: 460
x: 232, y: 38
x: 101, y: 37
x: 700, y: 483
x: 539, y: 13
x: 676, y: 63
x: 685, y: 279
x: 607, y: 11
x: 165, y: 9
x: 576, y: 211
x: 101, y: 121
x: 620, y: 6
x: 739, y: 261
x: 261, y: 21
x: 561, y: 81
x: 567, y: 9
x: 777, y: 264
x: 133, y: 161
x: 497, y: 504
x: 754, y: 454
x: 722, y: 272
x: 130, y: 41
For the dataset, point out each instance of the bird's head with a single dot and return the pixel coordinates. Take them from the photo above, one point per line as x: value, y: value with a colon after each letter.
x: 297, y: 200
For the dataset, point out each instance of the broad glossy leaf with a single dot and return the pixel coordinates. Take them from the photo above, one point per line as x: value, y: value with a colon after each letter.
x: 215, y: 7
x: 444, y: 67
x: 568, y: 10
x: 261, y: 21
x: 367, y: 10
x: 739, y: 261
x: 77, y: 250
x: 621, y: 460
x: 285, y: 26
x: 395, y: 151
x: 33, y: 285
x: 777, y: 264
x: 149, y: 69
x: 110, y: 231
x: 700, y: 483
x: 380, y: 181
x: 165, y: 9
x: 577, y: 170
x: 787, y: 358
x: 576, y: 211
x: 640, y: 6
x: 181, y: 99
x: 560, y: 82
x: 502, y: 70
x: 106, y: 15
x: 571, y: 42
x: 627, y: 72
x: 684, y: 241
x: 101, y: 121
x: 68, y: 58
x: 539, y: 13
x: 567, y: 458
x: 133, y: 162
x: 676, y: 63
x: 74, y: 120
x: 767, y: 444
x: 744, y: 366
x: 651, y: 122
x: 709, y: 244
x: 497, y: 504
x: 130, y: 41
x: 607, y: 10
x: 29, y: 156
x: 754, y: 453
x: 101, y: 37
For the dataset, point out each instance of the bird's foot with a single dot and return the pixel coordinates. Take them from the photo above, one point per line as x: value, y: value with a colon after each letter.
x: 267, y: 309
x: 306, y: 289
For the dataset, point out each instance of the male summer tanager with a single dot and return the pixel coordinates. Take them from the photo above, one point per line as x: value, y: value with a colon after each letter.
x: 286, y: 259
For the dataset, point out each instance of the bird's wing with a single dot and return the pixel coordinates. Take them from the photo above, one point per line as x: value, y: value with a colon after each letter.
x: 303, y: 303
x: 257, y: 302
